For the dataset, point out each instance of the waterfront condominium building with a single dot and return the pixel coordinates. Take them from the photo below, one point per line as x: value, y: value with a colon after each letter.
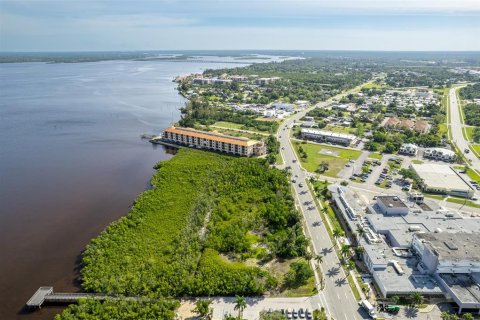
x: 213, y: 141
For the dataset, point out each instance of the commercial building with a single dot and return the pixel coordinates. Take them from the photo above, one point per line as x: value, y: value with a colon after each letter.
x: 454, y: 259
x: 440, y: 178
x: 288, y: 107
x: 408, y: 149
x: 427, y: 249
x: 440, y: 154
x: 264, y: 81
x: 392, y: 206
x: 328, y: 136
x: 212, y: 141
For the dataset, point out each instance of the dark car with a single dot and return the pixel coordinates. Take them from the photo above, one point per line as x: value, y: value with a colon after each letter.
x: 308, y: 314
x: 301, y: 313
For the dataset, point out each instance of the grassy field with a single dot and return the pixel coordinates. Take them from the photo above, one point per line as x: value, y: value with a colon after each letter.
x: 467, y: 202
x: 442, y: 129
x: 355, y: 292
x: 305, y: 290
x: 279, y: 159
x: 434, y: 196
x: 468, y: 132
x: 339, y: 129
x: 415, y: 161
x: 236, y: 126
x: 472, y: 174
x: 375, y: 155
x: 233, y: 133
x: 374, y: 85
x: 336, y: 157
x: 476, y: 149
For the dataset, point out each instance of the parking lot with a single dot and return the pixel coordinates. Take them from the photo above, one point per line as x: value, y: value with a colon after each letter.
x: 382, y: 173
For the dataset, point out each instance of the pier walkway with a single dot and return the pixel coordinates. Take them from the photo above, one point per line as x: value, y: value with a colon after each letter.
x: 46, y: 295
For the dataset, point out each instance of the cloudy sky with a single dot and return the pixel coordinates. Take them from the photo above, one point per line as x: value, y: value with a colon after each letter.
x: 90, y: 25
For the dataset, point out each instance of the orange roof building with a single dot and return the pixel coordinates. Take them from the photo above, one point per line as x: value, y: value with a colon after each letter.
x: 213, y: 141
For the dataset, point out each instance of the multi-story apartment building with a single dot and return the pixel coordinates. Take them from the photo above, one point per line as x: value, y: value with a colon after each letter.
x: 213, y: 141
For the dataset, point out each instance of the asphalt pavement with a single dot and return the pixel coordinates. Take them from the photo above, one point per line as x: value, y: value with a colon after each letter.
x: 336, y: 297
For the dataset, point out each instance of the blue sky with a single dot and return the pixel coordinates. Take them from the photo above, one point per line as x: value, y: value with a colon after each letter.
x: 90, y: 25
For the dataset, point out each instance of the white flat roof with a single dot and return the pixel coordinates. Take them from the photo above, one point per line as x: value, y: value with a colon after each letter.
x: 441, y: 150
x: 330, y: 133
x: 439, y: 175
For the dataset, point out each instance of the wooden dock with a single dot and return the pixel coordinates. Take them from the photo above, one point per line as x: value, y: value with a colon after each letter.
x: 38, y: 297
x: 46, y: 295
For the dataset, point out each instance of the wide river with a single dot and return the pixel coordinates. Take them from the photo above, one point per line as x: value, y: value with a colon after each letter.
x: 72, y: 161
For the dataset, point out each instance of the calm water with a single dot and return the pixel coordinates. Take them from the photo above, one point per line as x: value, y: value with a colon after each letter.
x: 72, y: 161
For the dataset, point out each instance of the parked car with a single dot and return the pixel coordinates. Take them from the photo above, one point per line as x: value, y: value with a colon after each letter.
x: 300, y: 185
x: 294, y: 314
x: 308, y: 314
x: 301, y: 313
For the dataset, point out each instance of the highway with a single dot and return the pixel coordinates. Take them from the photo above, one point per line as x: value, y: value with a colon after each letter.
x: 337, y: 297
x: 456, y: 127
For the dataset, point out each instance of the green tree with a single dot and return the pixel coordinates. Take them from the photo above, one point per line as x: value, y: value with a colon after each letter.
x: 360, y: 231
x: 359, y: 251
x: 337, y: 233
x: 320, y: 314
x: 467, y: 316
x: 323, y: 167
x: 202, y: 308
x: 345, y: 250
x: 416, y: 298
x: 319, y: 258
x: 298, y: 274
x: 240, y: 305
x: 395, y: 299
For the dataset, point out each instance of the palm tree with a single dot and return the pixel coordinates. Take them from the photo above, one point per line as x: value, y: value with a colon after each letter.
x: 337, y: 233
x: 467, y: 316
x: 202, y: 308
x: 350, y: 265
x: 345, y: 250
x: 360, y: 231
x: 319, y: 258
x: 416, y: 298
x: 240, y: 305
x: 359, y: 251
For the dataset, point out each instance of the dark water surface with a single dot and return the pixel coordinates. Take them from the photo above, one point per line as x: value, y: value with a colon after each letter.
x: 72, y: 161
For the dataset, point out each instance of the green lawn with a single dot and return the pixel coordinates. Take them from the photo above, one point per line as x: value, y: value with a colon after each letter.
x: 415, y: 161
x: 305, y: 290
x: 235, y: 126
x: 434, y: 196
x: 355, y: 292
x: 476, y: 149
x: 375, y: 155
x: 279, y: 159
x: 472, y: 174
x: 374, y: 85
x: 467, y: 202
x: 469, y: 132
x: 340, y: 129
x: 442, y: 129
x: 316, y: 153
